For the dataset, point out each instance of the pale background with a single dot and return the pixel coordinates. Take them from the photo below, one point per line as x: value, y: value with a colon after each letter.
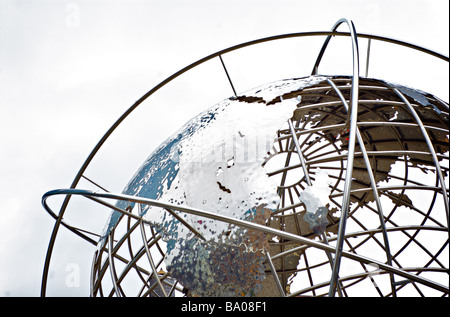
x: 69, y: 69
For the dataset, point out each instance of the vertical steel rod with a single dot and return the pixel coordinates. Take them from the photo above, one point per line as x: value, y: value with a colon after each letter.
x: 308, y: 181
x: 432, y: 151
x: 58, y: 217
x: 149, y: 256
x: 299, y: 152
x: 351, y: 121
x: 112, y: 268
x: 275, y: 275
x: 368, y: 57
x: 228, y: 76
x: 373, y: 185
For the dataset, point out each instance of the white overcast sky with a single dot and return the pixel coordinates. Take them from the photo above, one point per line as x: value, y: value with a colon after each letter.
x: 69, y: 69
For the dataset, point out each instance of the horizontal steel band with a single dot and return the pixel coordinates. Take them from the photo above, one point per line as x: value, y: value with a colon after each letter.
x: 246, y: 224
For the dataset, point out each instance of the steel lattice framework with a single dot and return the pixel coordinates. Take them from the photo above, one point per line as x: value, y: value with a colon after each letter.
x: 354, y: 110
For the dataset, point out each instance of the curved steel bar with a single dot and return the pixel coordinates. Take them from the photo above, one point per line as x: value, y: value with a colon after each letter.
x: 339, y: 157
x: 352, y: 117
x: 275, y: 275
x: 94, y: 271
x: 362, y: 233
x: 248, y: 225
x: 327, y: 41
x: 379, y: 153
x: 299, y: 132
x: 92, y: 154
x: 299, y: 152
x: 112, y: 268
x: 308, y: 180
x: 373, y: 185
x: 361, y: 276
x: 431, y: 148
x: 368, y: 57
x: 150, y: 258
x: 116, y: 280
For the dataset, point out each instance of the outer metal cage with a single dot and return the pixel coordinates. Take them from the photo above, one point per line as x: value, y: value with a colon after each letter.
x: 355, y: 128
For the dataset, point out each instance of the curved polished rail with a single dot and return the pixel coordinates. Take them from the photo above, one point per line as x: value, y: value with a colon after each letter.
x: 241, y: 223
x: 352, y: 118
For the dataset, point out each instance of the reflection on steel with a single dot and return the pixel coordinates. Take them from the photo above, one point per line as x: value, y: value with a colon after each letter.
x: 385, y: 149
x: 352, y: 115
x: 373, y: 186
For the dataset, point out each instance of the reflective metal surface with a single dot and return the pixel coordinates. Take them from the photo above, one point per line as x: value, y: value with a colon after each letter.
x: 371, y: 157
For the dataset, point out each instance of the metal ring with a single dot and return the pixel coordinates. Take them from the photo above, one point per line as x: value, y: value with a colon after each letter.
x: 58, y: 217
x: 246, y: 224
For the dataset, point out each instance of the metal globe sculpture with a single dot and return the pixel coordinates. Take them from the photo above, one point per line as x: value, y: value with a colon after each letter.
x: 313, y: 186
